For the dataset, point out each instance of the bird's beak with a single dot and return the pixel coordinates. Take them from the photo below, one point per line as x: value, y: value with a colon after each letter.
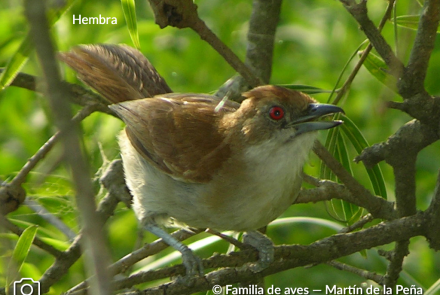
x: 309, y: 122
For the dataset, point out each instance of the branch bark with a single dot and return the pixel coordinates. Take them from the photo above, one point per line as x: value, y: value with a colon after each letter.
x: 413, y: 79
x: 94, y: 241
x: 360, y: 14
x: 287, y: 257
x: 259, y: 54
x: 183, y: 14
x: 373, y: 204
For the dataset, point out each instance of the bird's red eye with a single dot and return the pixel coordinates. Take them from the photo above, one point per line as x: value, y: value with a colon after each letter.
x: 276, y: 113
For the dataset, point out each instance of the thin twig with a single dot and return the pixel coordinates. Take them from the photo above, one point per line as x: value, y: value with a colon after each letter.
x: 357, y: 271
x: 396, y: 263
x: 364, y: 56
x: 358, y: 224
x: 183, y: 14
x: 51, y: 218
x: 4, y: 222
x: 147, y: 250
x: 45, y: 148
x: 359, y: 12
x: 373, y: 204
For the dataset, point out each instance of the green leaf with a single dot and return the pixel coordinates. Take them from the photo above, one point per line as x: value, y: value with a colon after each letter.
x: 335, y: 143
x: 409, y: 21
x: 22, y: 223
x: 305, y: 88
x: 58, y: 244
x: 129, y: 9
x: 360, y: 143
x: 434, y: 289
x: 349, y: 210
x: 330, y: 144
x: 24, y: 244
x: 20, y: 253
x: 20, y: 57
x: 377, y: 67
x: 309, y: 220
x: 16, y: 62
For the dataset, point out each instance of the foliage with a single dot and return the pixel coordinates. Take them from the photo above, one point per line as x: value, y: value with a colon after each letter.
x: 314, y: 41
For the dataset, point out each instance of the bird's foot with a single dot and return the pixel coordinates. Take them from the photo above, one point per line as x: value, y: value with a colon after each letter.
x: 265, y: 249
x: 193, y: 265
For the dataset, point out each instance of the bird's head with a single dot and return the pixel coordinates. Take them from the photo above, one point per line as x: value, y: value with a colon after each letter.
x: 277, y: 113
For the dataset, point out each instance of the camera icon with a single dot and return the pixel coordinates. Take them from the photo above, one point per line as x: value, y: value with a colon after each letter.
x: 26, y: 286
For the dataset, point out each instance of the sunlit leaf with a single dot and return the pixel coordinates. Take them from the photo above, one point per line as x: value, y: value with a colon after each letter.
x: 16, y: 62
x: 20, y: 57
x: 24, y: 244
x: 129, y: 9
x: 20, y: 253
x: 378, y: 69
x: 434, y: 289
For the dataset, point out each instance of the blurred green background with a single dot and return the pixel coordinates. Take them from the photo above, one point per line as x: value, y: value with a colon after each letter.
x: 314, y: 41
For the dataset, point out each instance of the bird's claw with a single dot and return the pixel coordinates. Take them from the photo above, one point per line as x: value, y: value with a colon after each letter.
x: 265, y: 249
x: 194, y: 268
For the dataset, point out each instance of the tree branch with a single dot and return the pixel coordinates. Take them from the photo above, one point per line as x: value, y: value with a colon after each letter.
x: 94, y: 241
x: 183, y: 14
x: 433, y: 233
x: 396, y: 263
x: 328, y: 190
x: 410, y: 138
x: 413, y: 79
x: 364, y: 56
x: 357, y: 271
x: 259, y: 54
x: 63, y: 263
x: 373, y: 204
x: 5, y: 223
x: 359, y: 12
x: 287, y: 257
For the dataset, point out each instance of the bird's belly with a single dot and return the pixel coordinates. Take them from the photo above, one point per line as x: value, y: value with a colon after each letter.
x: 252, y: 205
x: 239, y: 205
x: 248, y: 201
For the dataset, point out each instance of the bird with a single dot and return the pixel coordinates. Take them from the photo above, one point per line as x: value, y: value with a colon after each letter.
x: 198, y: 161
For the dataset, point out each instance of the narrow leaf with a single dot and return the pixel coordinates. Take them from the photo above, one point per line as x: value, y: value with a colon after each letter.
x: 129, y: 9
x: 305, y: 88
x: 20, y: 253
x: 16, y: 62
x: 342, y: 156
x: 434, y: 289
x: 24, y: 244
x: 377, y: 67
x: 409, y: 21
x: 340, y: 210
x: 20, y: 57
x: 359, y: 143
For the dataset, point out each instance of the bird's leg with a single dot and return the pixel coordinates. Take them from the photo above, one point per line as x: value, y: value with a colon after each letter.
x: 264, y: 246
x: 192, y: 263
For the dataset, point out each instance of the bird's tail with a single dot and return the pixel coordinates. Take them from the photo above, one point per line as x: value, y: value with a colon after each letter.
x: 117, y: 72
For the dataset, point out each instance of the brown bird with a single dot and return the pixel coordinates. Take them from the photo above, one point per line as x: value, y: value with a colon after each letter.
x: 191, y: 163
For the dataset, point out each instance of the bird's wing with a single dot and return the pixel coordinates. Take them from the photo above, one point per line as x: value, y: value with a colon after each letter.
x: 178, y: 133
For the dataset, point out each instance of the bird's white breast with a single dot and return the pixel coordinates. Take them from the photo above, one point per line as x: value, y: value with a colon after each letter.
x: 268, y: 185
